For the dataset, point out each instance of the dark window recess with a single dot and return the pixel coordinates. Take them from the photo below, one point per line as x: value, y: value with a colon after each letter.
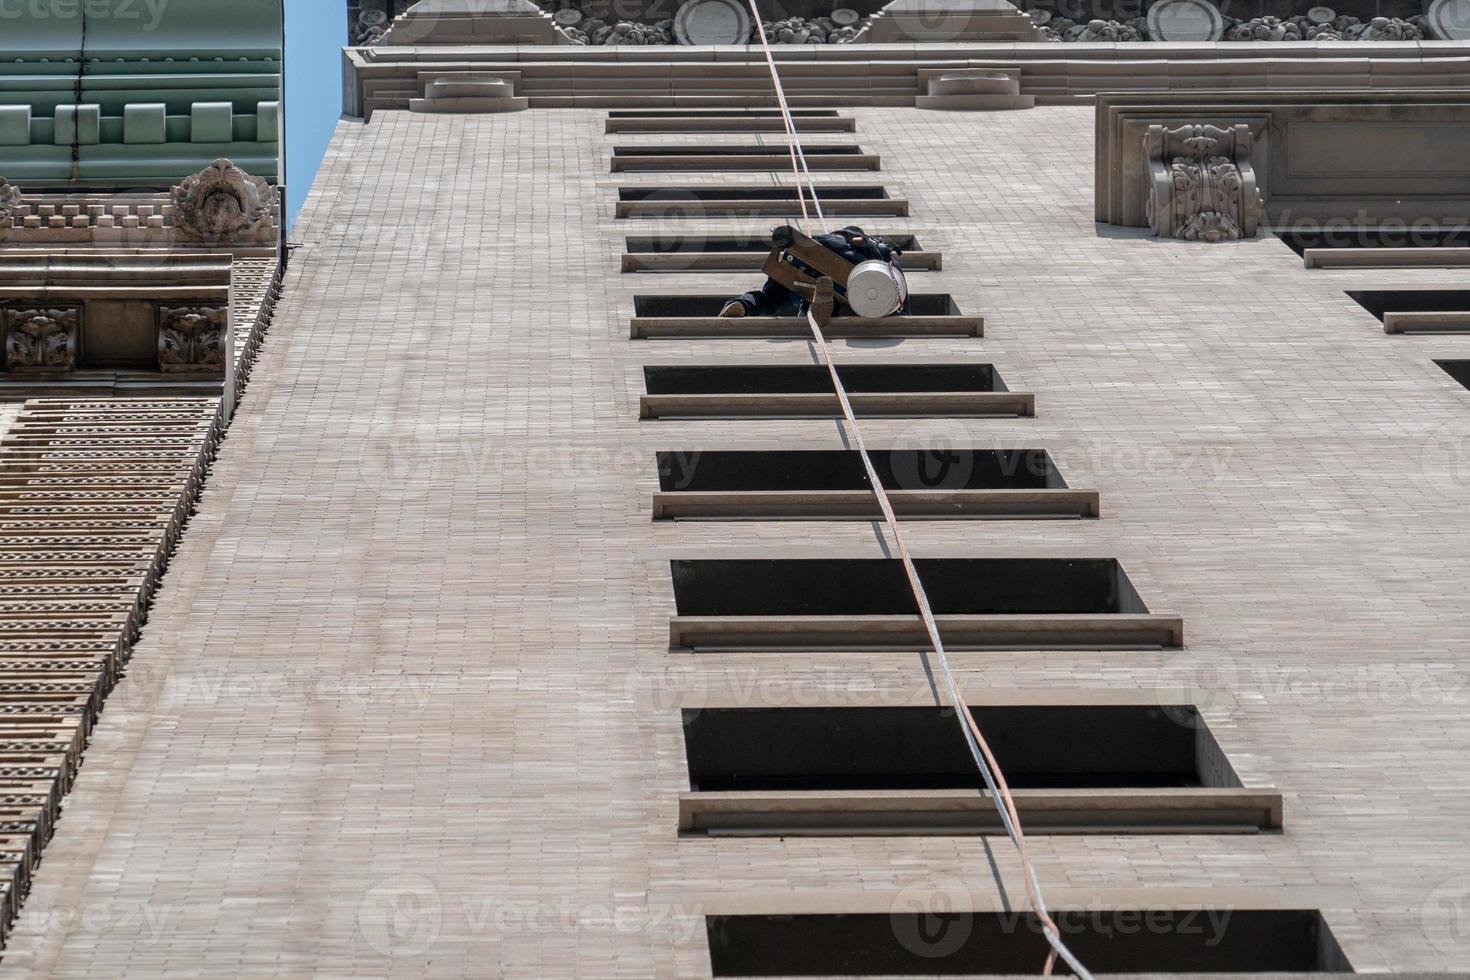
x: 1381, y: 301
x: 718, y: 113
x: 814, y: 379
x: 674, y: 195
x: 1300, y: 241
x: 756, y: 243
x: 898, y: 469
x: 1459, y: 370
x: 924, y: 304
x: 686, y: 150
x: 1134, y: 940
x: 916, y: 748
x: 878, y: 586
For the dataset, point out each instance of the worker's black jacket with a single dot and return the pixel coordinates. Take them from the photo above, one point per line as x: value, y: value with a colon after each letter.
x: 850, y: 243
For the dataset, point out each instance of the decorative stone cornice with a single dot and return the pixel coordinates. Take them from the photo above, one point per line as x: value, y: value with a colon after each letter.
x: 192, y: 338
x: 41, y: 338
x: 222, y: 204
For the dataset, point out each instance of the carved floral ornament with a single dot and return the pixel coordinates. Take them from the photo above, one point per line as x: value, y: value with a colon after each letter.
x: 41, y: 337
x: 9, y: 200
x: 192, y: 338
x: 222, y: 204
x: 1202, y: 185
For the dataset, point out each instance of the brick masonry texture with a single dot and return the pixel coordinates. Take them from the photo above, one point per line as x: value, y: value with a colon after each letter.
x: 414, y: 641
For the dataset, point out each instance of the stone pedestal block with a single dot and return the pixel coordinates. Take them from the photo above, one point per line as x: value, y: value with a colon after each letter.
x: 975, y: 89
x: 468, y: 95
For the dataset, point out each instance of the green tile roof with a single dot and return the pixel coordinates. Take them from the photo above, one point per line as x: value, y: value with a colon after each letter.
x: 116, y: 54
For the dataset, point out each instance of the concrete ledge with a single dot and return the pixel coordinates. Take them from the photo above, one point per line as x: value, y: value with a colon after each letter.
x: 650, y: 327
x: 472, y: 104
x: 1386, y: 258
x: 761, y: 162
x: 1192, y: 810
x: 728, y: 124
x: 647, y: 97
x: 101, y: 291
x: 1437, y: 321
x: 975, y: 103
x: 957, y: 404
x: 844, y: 74
x: 1406, y: 53
x: 862, y: 505
x: 744, y: 261
x: 907, y: 632
x: 836, y: 207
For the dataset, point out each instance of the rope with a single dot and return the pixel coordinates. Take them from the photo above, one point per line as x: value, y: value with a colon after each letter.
x: 793, y: 144
x: 990, y: 770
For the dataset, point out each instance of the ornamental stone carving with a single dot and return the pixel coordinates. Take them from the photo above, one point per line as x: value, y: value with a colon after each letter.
x: 1389, y: 29
x: 42, y: 338
x: 192, y: 338
x: 1265, y: 29
x: 1105, y: 31
x: 1202, y: 185
x: 9, y: 201
x: 222, y: 204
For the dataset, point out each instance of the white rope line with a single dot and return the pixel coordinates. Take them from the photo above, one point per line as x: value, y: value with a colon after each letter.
x: 990, y: 770
x: 792, y: 142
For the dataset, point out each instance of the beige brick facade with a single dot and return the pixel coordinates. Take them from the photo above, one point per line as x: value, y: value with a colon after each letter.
x: 415, y: 639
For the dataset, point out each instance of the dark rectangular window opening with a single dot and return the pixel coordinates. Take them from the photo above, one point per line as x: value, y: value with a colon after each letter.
x: 707, y: 305
x: 898, y: 469
x: 755, y: 243
x: 814, y: 379
x: 923, y: 748
x: 1459, y: 370
x: 1407, y: 237
x: 960, y: 943
x: 1381, y: 301
x: 673, y: 196
x: 879, y: 587
x: 733, y: 150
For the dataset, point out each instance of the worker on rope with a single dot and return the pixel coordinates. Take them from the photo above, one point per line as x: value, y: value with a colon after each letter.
x: 869, y: 280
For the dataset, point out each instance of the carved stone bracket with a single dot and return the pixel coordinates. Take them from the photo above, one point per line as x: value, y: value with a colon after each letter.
x: 9, y: 201
x: 192, y: 338
x: 42, y: 338
x: 223, y: 204
x: 1202, y: 185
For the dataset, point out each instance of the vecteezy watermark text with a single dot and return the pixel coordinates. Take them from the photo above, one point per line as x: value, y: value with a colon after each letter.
x: 408, y: 914
x: 149, y: 11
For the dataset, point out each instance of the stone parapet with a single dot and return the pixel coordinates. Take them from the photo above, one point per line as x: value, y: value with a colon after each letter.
x: 887, y: 74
